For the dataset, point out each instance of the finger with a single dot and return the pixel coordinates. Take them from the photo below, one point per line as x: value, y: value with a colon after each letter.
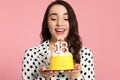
x: 51, y: 72
x: 73, y: 71
x: 43, y: 68
x: 77, y: 66
x: 55, y: 72
x: 67, y: 71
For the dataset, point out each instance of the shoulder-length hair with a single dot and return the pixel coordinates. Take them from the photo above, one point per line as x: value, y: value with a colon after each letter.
x: 73, y: 38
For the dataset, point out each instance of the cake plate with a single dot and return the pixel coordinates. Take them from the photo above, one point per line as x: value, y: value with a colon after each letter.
x: 47, y: 70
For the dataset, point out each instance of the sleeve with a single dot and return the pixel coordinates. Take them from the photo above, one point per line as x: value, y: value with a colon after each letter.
x: 87, y: 63
x: 30, y: 66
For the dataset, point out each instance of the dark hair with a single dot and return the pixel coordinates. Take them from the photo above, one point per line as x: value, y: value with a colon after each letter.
x: 73, y: 38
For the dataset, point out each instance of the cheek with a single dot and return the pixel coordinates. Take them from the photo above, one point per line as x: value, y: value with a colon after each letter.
x: 68, y: 30
x: 51, y: 28
x: 68, y: 27
x: 48, y: 23
x: 67, y: 24
x: 51, y: 24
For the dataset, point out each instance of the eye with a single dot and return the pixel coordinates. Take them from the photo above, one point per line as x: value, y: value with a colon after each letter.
x: 66, y: 19
x: 53, y: 19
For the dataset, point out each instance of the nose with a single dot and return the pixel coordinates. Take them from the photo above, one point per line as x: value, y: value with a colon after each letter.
x: 60, y: 22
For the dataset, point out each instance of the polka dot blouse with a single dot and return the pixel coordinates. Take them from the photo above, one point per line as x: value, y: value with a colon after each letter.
x: 40, y: 56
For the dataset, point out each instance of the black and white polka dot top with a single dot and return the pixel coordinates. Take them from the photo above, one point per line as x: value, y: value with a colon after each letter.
x: 40, y: 56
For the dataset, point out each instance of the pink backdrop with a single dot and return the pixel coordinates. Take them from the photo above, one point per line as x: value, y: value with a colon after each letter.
x: 99, y: 22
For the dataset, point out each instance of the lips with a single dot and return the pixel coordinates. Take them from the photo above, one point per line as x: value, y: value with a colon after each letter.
x: 60, y: 30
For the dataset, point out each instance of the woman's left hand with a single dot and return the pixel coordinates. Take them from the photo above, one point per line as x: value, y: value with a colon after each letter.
x: 74, y: 73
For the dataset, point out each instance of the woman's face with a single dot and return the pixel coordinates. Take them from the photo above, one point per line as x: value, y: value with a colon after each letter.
x: 58, y: 23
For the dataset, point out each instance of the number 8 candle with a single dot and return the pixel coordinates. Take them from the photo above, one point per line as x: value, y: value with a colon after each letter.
x: 61, y: 46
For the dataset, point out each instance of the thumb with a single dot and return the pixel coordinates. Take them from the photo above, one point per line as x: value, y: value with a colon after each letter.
x: 77, y: 66
x: 43, y: 68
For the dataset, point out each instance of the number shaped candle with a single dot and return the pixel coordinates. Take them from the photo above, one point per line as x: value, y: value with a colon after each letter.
x: 61, y: 46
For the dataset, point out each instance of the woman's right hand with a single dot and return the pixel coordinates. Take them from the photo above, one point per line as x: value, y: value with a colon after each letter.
x: 47, y: 74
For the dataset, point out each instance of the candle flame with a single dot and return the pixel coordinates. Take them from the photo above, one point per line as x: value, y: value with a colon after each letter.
x: 60, y: 38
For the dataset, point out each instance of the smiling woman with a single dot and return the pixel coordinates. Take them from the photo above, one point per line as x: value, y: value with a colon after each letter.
x: 59, y: 24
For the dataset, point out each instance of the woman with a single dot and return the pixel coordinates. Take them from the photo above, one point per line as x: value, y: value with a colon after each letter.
x: 59, y: 23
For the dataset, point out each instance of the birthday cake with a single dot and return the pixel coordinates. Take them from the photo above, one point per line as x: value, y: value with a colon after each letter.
x: 61, y: 60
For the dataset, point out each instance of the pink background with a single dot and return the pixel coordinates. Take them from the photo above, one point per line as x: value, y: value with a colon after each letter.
x: 99, y: 22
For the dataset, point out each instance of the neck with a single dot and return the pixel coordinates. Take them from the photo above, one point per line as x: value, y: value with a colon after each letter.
x: 55, y: 40
x: 52, y: 45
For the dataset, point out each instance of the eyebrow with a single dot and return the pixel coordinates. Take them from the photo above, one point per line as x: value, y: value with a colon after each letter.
x: 56, y: 14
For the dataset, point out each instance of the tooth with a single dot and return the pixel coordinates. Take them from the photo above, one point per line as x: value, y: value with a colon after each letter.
x: 60, y: 30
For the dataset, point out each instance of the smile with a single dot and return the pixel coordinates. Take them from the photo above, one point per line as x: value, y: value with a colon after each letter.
x: 60, y: 30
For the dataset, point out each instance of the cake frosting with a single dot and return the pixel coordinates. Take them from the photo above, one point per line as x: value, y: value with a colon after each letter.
x: 61, y: 53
